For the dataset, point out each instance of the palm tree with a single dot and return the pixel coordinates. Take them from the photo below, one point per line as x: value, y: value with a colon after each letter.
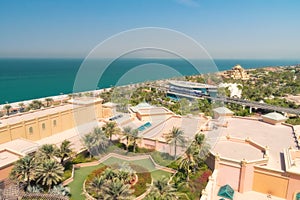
x: 134, y: 137
x: 35, y: 104
x: 111, y: 129
x: 202, y: 147
x: 21, y: 105
x: 49, y: 101
x: 96, y: 141
x: 188, y: 160
x: 115, y: 189
x: 64, y: 151
x: 95, y: 186
x: 89, y: 142
x: 49, y: 172
x: 60, y: 190
x: 47, y: 151
x: 162, y: 189
x: 23, y: 170
x: 131, y: 136
x: 176, y: 136
x: 127, y: 132
x: 7, y: 107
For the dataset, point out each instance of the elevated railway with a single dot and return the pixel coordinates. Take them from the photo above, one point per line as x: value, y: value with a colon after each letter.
x: 251, y: 104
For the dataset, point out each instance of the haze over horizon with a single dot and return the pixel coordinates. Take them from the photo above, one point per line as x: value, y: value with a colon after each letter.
x: 228, y: 29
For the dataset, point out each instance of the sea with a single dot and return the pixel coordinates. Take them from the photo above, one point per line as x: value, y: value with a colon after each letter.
x: 25, y: 79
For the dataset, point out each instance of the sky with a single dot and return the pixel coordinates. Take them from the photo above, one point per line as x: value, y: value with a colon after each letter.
x: 230, y: 29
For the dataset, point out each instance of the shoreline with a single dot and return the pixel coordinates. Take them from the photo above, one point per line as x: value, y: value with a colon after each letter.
x: 62, y: 97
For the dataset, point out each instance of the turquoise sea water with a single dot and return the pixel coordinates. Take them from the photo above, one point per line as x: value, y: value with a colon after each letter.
x: 24, y: 79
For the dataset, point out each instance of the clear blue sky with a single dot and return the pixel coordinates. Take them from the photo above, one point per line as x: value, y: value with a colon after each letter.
x: 226, y: 28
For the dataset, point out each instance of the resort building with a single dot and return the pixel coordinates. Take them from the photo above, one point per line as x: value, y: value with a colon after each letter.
x: 38, y: 124
x: 154, y: 123
x: 250, y: 156
x: 237, y: 72
x: 23, y: 133
x: 188, y: 89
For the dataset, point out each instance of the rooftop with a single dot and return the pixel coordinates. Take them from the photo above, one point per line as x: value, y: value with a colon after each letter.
x: 190, y: 125
x: 276, y: 138
x: 85, y: 100
x: 140, y: 106
x: 222, y: 110
x: 154, y: 111
x: 6, y: 120
x: 20, y: 146
x: 274, y: 116
x: 237, y: 150
x: 7, y: 157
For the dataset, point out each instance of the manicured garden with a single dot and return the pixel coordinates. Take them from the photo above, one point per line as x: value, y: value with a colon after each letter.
x: 144, y: 168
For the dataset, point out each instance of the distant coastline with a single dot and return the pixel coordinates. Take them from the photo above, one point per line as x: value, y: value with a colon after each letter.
x: 26, y: 79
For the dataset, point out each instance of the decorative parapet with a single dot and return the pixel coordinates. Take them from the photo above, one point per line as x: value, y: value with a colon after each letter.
x: 292, y: 160
x: 238, y: 163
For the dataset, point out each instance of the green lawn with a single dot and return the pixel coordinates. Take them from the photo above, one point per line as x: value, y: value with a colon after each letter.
x: 159, y: 173
x: 146, y: 163
x: 79, y: 177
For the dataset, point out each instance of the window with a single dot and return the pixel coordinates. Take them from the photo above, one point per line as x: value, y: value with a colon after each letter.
x: 43, y: 126
x: 30, y: 130
x: 54, y: 122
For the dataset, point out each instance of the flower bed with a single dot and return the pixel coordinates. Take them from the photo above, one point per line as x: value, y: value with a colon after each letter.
x: 138, y: 180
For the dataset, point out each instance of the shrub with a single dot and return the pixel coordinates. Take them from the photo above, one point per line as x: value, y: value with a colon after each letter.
x: 83, y: 157
x: 67, y: 174
x: 141, y: 186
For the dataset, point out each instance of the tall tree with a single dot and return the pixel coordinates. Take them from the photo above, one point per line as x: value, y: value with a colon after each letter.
x: 115, y: 189
x: 49, y: 172
x: 96, y: 141
x: 187, y: 162
x: 49, y: 101
x: 35, y: 104
x: 21, y: 105
x: 162, y: 189
x: 47, y: 151
x: 202, y: 147
x: 127, y: 132
x: 95, y: 186
x: 64, y: 151
x: 110, y: 129
x: 7, y: 107
x: 23, y: 170
x: 131, y: 137
x: 176, y: 136
x: 134, y: 136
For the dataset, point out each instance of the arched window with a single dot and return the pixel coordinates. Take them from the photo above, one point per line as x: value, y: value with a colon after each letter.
x: 30, y: 130
x: 43, y: 126
x: 54, y: 122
